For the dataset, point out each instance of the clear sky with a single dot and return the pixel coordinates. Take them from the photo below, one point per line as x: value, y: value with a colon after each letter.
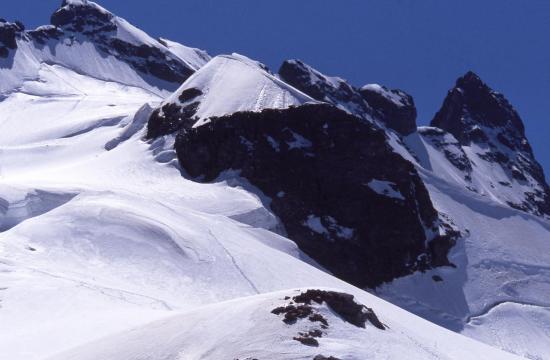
x: 420, y: 46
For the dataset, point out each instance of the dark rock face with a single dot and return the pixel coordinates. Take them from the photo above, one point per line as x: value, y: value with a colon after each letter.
x: 394, y: 107
x: 472, y: 103
x: 82, y: 17
x: 98, y: 25
x: 450, y: 147
x: 477, y: 115
x: 318, y: 164
x: 8, y: 37
x: 45, y: 33
x: 332, y: 90
x: 172, y: 117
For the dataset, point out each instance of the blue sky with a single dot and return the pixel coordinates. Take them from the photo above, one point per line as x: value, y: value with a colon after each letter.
x: 420, y: 46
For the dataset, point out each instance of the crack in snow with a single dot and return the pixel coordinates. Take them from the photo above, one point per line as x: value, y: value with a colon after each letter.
x: 235, y: 263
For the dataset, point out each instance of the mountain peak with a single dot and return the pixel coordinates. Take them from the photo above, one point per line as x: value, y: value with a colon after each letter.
x: 469, y: 78
x: 330, y: 89
x: 76, y: 15
x: 484, y: 121
x: 87, y: 21
x: 225, y: 85
x: 472, y: 104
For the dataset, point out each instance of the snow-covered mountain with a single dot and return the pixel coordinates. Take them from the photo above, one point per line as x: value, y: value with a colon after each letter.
x: 246, y: 214
x: 226, y: 85
x: 89, y: 40
x: 490, y: 188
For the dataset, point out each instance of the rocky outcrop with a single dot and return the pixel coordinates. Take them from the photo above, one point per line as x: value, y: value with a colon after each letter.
x: 471, y: 105
x: 8, y: 37
x: 45, y: 33
x: 307, y: 304
x: 393, y: 107
x: 324, y: 88
x: 343, y: 195
x: 171, y: 117
x: 483, y: 121
x: 342, y: 304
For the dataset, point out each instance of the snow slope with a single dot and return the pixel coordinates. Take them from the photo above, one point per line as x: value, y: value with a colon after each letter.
x: 195, y: 58
x: 91, y: 41
x: 501, y: 275
x: 101, y: 234
x: 104, y: 246
x: 231, y: 83
x: 246, y: 328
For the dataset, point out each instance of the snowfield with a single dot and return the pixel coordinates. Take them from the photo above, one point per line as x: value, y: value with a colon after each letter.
x: 108, y: 251
x: 96, y: 242
x: 231, y: 83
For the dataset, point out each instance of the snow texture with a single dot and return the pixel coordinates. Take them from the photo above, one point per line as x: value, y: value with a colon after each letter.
x: 107, y: 252
x: 232, y: 83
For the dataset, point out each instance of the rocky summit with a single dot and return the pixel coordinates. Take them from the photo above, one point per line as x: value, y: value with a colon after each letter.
x: 483, y: 121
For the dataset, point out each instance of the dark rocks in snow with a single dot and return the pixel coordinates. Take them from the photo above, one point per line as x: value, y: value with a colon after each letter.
x: 189, y: 94
x: 293, y: 313
x: 45, y: 33
x: 325, y: 161
x: 9, y: 32
x: 475, y: 114
x: 437, y: 278
x: 393, y: 107
x: 449, y: 146
x: 322, y: 357
x: 441, y: 245
x: 306, y: 339
x: 319, y: 318
x: 170, y: 118
x: 8, y: 37
x: 342, y: 304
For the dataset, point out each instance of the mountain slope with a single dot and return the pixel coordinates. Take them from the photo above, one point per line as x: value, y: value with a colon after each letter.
x: 393, y: 109
x: 112, y: 240
x: 227, y: 84
x: 493, y: 135
x: 500, y: 258
x: 108, y: 250
x: 502, y: 265
x: 89, y: 40
x: 247, y: 328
